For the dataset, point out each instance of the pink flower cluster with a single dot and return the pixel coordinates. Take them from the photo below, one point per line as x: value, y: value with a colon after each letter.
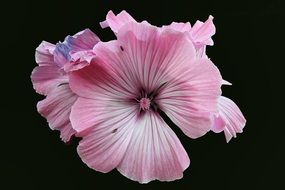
x: 111, y: 95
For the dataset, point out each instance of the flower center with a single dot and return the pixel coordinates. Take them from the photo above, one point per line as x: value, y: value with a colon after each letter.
x: 144, y: 103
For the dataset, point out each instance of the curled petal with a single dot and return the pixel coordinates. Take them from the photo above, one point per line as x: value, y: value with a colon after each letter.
x: 81, y: 41
x: 44, y: 53
x: 46, y: 77
x: 230, y: 119
x: 202, y: 32
x: 79, y: 60
x: 56, y: 109
x: 115, y: 22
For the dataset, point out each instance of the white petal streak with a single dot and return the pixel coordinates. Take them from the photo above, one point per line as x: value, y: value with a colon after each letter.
x: 154, y: 152
x: 109, y: 132
x: 105, y: 144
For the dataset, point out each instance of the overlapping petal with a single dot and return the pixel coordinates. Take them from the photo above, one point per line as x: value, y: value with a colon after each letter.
x: 190, y: 99
x: 115, y: 22
x: 230, y: 119
x: 56, y: 109
x: 66, y: 53
x: 47, y: 75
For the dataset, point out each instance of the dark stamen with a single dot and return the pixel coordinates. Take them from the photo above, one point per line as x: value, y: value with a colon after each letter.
x: 65, y: 83
x: 156, y: 91
x: 115, y: 130
x: 121, y: 47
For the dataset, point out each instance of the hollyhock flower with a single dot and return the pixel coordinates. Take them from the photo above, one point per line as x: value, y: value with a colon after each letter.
x: 50, y: 78
x: 112, y: 94
x: 120, y: 94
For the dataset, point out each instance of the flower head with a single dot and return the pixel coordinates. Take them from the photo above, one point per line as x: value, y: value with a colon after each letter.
x: 144, y: 70
x: 112, y: 95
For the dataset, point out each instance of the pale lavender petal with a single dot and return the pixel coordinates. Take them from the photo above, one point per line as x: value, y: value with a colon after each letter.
x: 81, y: 41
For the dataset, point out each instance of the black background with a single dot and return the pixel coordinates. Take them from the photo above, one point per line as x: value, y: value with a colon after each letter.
x: 248, y: 50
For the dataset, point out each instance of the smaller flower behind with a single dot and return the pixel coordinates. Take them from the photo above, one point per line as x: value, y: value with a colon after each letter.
x: 51, y: 78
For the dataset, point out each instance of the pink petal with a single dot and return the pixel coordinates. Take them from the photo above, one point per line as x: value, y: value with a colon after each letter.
x: 179, y: 26
x: 151, y: 55
x: 83, y: 40
x: 56, y: 109
x: 189, y: 100
x: 99, y: 81
x: 202, y: 32
x: 110, y: 129
x: 218, y: 125
x: 46, y: 77
x: 44, y: 53
x: 115, y: 22
x: 154, y: 152
x: 79, y: 60
x: 232, y: 117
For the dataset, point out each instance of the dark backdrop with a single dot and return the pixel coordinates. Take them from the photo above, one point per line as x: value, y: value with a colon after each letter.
x: 247, y: 51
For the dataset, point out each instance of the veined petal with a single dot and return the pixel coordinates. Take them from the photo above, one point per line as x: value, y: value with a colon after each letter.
x: 99, y: 81
x: 46, y: 77
x: 115, y: 22
x: 233, y: 119
x: 110, y: 128
x: 191, y: 97
x: 56, y: 109
x: 154, y: 152
x: 79, y: 60
x: 44, y: 54
x: 83, y: 40
x: 151, y: 54
x: 202, y: 32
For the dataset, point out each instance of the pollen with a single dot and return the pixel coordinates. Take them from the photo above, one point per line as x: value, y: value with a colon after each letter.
x: 144, y: 103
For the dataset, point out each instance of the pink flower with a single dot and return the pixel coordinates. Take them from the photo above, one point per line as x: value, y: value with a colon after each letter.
x: 112, y: 94
x: 50, y: 78
x: 146, y: 70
